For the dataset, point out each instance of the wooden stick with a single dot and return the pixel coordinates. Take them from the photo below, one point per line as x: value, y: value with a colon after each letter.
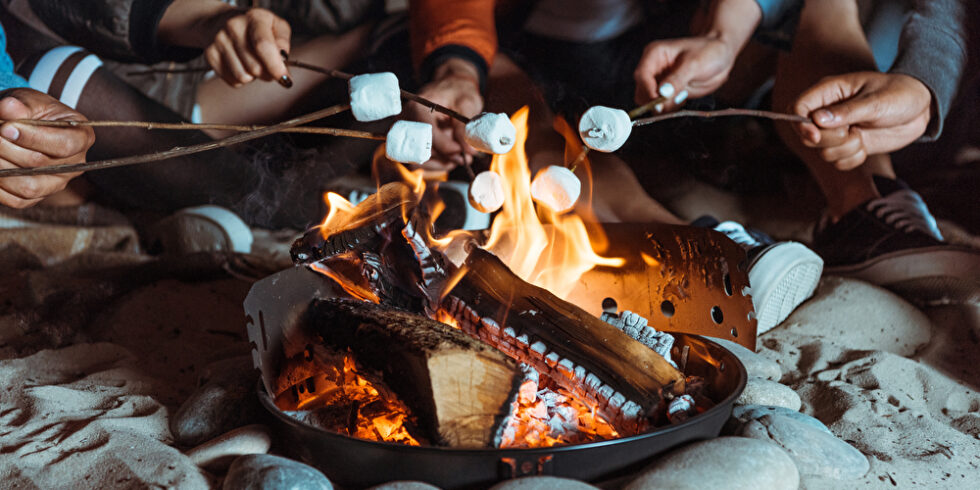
x: 778, y: 116
x: 176, y: 151
x: 185, y: 126
x: 645, y: 108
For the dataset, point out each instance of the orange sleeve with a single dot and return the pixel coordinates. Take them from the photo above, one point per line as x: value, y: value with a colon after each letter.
x: 438, y: 23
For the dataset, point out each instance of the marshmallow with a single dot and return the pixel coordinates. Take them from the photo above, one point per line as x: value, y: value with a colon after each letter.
x: 605, y: 129
x: 375, y: 96
x: 556, y: 187
x: 491, y: 133
x: 409, y: 142
x: 487, y: 192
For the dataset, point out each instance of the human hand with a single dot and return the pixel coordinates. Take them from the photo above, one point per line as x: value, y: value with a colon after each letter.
x: 455, y: 85
x: 864, y: 113
x: 679, y: 68
x: 25, y: 146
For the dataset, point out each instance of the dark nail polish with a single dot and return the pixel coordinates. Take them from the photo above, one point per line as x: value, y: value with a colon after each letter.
x: 285, y: 81
x: 284, y: 54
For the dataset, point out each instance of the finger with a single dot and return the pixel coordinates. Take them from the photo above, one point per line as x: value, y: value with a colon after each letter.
x: 657, y: 57
x: 809, y: 133
x: 58, y: 143
x: 31, y: 188
x: 826, y: 92
x: 213, y: 56
x: 852, y: 162
x: 10, y: 200
x: 459, y: 134
x: 847, y: 149
x: 243, y: 49
x: 830, y: 138
x: 12, y: 108
x: 229, y: 58
x: 852, y: 112
x: 266, y: 43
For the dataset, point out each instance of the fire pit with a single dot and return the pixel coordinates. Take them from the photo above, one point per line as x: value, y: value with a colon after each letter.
x: 463, y: 350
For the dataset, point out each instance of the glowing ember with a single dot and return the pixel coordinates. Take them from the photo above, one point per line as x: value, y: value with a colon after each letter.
x: 340, y: 397
x: 544, y: 417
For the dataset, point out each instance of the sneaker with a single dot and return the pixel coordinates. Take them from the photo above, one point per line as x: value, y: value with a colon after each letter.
x: 893, y: 241
x: 782, y: 275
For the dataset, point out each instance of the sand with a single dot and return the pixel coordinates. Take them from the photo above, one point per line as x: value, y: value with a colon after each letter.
x: 89, y: 408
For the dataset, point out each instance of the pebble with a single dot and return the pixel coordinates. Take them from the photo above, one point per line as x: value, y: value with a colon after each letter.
x: 542, y: 483
x: 760, y: 391
x: 744, y: 414
x: 219, y: 452
x: 404, y: 485
x: 267, y: 472
x: 755, y: 365
x: 226, y: 400
x: 815, y: 452
x: 724, y: 462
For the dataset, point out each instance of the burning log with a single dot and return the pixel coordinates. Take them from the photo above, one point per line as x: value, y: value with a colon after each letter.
x: 625, y: 378
x: 459, y: 388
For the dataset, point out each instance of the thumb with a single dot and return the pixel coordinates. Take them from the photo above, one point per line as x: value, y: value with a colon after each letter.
x: 850, y: 112
x: 827, y: 101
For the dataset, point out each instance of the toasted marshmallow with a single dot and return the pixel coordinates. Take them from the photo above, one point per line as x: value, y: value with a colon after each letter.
x: 409, y: 142
x: 605, y: 129
x: 491, y: 133
x: 487, y: 192
x: 375, y: 96
x: 556, y: 187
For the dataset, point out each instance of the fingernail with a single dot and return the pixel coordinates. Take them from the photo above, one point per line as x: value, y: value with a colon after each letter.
x: 659, y: 107
x: 285, y: 81
x: 824, y: 116
x: 681, y: 97
x: 10, y: 133
x: 666, y: 90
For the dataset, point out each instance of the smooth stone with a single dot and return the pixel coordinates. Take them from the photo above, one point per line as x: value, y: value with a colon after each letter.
x: 815, y: 452
x: 723, y: 462
x: 219, y: 452
x: 744, y: 414
x: 268, y: 472
x: 755, y: 365
x: 542, y: 483
x: 760, y: 391
x: 405, y: 485
x: 226, y: 400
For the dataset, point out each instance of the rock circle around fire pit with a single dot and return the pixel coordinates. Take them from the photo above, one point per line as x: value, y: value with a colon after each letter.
x: 542, y: 483
x: 265, y: 471
x: 404, y: 485
x: 225, y: 400
x: 815, y: 452
x: 755, y: 365
x: 760, y: 391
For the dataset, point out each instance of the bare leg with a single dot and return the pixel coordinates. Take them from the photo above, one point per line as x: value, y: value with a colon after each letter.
x: 829, y: 41
x: 264, y: 102
x: 617, y: 195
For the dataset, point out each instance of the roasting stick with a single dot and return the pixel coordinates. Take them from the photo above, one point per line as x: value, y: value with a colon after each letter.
x: 175, y: 151
x: 776, y: 116
x: 185, y: 126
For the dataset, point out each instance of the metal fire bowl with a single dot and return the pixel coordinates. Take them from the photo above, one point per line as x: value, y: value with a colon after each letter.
x: 359, y: 463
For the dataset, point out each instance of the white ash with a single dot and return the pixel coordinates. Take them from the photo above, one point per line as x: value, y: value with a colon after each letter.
x: 491, y: 133
x: 680, y: 408
x: 409, y: 142
x: 636, y: 326
x: 556, y: 187
x: 486, y: 193
x: 375, y: 96
x: 605, y: 129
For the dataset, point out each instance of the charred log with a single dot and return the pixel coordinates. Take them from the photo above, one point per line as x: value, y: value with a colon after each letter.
x: 459, y: 388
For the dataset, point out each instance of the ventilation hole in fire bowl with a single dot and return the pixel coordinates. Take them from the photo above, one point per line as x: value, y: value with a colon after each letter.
x: 667, y: 308
x: 721, y: 367
x: 734, y: 332
x: 727, y: 280
x: 717, y: 315
x: 609, y: 305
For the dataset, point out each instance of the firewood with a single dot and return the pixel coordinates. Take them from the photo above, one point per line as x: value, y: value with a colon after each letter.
x: 459, y: 388
x: 584, y: 354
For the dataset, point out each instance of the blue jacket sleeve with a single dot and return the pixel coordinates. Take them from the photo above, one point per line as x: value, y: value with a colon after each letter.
x: 774, y: 11
x: 8, y: 79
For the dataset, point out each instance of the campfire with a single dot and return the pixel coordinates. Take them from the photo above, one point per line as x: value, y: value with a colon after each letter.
x: 465, y: 340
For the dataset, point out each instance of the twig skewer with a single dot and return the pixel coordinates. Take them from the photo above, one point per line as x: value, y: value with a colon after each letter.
x: 778, y: 116
x: 185, y: 126
x: 176, y: 151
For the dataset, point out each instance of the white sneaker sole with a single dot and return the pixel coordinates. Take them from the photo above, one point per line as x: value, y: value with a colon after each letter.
x: 781, y: 278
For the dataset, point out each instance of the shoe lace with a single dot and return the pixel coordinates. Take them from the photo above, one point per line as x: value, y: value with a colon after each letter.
x: 905, y: 210
x: 738, y: 234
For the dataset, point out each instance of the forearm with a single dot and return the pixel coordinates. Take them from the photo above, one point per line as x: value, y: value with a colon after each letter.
x: 733, y: 21
x: 192, y: 23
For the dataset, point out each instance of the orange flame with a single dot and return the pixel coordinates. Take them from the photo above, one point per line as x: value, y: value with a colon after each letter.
x: 338, y: 209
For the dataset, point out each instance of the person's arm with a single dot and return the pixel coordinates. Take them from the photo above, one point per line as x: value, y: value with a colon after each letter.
x: 453, y: 44
x: 698, y: 65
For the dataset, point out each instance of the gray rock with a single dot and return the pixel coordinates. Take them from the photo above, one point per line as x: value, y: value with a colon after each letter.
x: 755, y: 365
x: 724, y: 462
x: 267, y: 472
x: 225, y: 401
x: 542, y: 483
x: 219, y: 452
x: 760, y: 391
x: 744, y: 414
x: 404, y: 485
x: 814, y: 451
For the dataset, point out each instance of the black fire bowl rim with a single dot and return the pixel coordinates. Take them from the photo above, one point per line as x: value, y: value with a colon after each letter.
x: 724, y: 405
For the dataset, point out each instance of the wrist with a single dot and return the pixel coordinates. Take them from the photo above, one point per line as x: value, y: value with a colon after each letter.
x: 193, y: 23
x: 733, y: 21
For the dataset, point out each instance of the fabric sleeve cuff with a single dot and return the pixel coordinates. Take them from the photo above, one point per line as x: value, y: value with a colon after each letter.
x: 774, y: 11
x: 444, y: 53
x: 144, y: 20
x: 11, y: 80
